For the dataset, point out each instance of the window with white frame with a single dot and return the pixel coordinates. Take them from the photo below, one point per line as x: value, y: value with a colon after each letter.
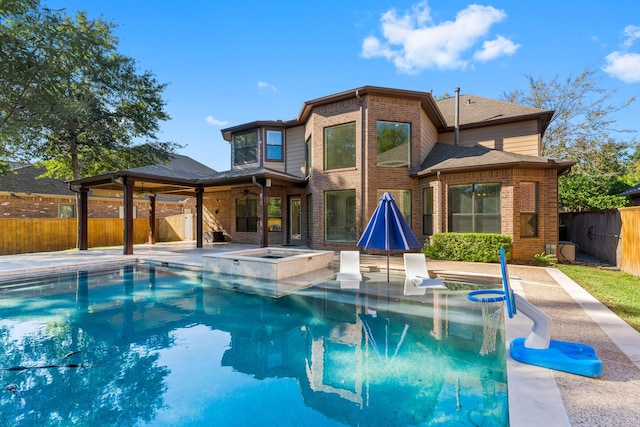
x: 66, y: 210
x: 274, y: 145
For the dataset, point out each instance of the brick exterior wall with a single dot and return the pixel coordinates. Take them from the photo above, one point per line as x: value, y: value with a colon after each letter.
x: 219, y: 214
x: 35, y: 206
x: 524, y: 248
x: 31, y: 206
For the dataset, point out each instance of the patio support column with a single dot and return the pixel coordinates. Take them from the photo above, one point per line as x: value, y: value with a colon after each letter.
x: 128, y: 215
x: 83, y: 221
x: 199, y: 216
x: 265, y: 216
x: 152, y: 220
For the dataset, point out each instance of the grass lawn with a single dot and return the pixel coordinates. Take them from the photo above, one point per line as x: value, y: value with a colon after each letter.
x: 619, y: 291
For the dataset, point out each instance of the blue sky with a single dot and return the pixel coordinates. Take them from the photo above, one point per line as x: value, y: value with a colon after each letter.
x: 232, y: 62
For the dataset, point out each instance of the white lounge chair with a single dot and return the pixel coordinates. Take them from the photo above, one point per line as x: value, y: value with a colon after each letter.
x: 415, y: 267
x: 349, y: 275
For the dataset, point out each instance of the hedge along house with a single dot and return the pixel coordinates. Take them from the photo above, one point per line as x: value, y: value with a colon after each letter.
x: 466, y: 164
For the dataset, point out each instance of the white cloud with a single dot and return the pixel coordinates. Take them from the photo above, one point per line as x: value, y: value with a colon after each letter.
x: 492, y: 49
x: 264, y: 85
x: 632, y: 33
x: 215, y: 122
x: 414, y: 42
x: 624, y: 66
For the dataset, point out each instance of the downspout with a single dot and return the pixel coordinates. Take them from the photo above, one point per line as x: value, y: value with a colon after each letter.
x: 457, y: 118
x: 363, y: 166
x: 264, y: 241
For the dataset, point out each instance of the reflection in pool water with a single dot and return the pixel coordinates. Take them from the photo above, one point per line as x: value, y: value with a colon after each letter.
x: 158, y: 347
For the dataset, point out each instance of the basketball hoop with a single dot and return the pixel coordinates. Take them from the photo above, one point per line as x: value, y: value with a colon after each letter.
x: 491, y: 301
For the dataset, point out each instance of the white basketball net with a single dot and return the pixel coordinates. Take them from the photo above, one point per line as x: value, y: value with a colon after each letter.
x: 491, y: 319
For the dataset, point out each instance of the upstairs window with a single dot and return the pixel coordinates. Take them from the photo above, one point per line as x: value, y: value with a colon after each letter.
x: 274, y: 145
x: 308, y: 157
x: 245, y: 148
x: 393, y: 144
x: 340, y: 146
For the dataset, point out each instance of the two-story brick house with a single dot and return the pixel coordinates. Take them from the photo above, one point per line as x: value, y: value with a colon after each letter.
x: 464, y: 164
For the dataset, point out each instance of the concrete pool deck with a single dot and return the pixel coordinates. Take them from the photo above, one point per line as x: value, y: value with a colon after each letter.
x: 537, y: 396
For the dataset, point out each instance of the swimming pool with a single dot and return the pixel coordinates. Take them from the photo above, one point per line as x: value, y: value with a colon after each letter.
x: 139, y: 345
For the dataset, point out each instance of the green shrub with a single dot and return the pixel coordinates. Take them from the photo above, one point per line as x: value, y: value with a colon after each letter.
x: 545, y: 259
x: 474, y: 247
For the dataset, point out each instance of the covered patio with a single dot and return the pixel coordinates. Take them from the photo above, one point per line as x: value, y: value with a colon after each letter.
x: 182, y: 176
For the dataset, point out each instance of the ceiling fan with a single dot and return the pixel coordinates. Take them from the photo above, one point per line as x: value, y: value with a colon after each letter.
x: 246, y: 192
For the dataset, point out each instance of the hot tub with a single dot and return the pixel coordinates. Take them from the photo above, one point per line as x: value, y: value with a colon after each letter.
x: 268, y: 263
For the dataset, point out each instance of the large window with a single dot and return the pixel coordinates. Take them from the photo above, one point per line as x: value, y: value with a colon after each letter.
x: 427, y: 211
x: 245, y: 148
x: 274, y: 212
x: 393, y: 144
x: 474, y: 208
x: 247, y: 215
x: 340, y: 216
x: 403, y: 201
x: 528, y: 209
x: 274, y: 145
x: 340, y: 146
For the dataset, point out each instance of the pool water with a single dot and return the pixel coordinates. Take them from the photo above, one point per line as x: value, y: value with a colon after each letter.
x: 138, y: 345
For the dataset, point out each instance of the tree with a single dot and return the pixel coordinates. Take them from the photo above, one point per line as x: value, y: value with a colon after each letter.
x: 582, y: 129
x: 70, y: 101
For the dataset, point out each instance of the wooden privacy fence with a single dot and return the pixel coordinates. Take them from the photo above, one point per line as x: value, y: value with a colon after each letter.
x: 613, y: 236
x: 630, y: 244
x: 27, y: 235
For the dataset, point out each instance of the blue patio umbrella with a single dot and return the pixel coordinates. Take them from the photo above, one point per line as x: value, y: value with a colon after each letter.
x: 387, y: 229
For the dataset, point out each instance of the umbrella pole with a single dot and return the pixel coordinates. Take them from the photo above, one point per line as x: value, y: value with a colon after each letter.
x: 387, y: 265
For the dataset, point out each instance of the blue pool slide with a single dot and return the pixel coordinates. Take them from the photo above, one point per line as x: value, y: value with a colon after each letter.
x: 537, y: 348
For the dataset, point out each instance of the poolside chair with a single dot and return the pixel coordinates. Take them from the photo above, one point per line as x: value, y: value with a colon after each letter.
x: 415, y: 266
x: 349, y: 275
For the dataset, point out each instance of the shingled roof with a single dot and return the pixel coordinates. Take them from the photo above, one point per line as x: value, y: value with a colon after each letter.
x: 24, y: 179
x: 452, y: 158
x: 478, y: 111
x: 179, y: 166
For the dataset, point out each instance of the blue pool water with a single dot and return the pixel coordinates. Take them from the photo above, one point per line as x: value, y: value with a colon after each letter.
x: 138, y: 345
